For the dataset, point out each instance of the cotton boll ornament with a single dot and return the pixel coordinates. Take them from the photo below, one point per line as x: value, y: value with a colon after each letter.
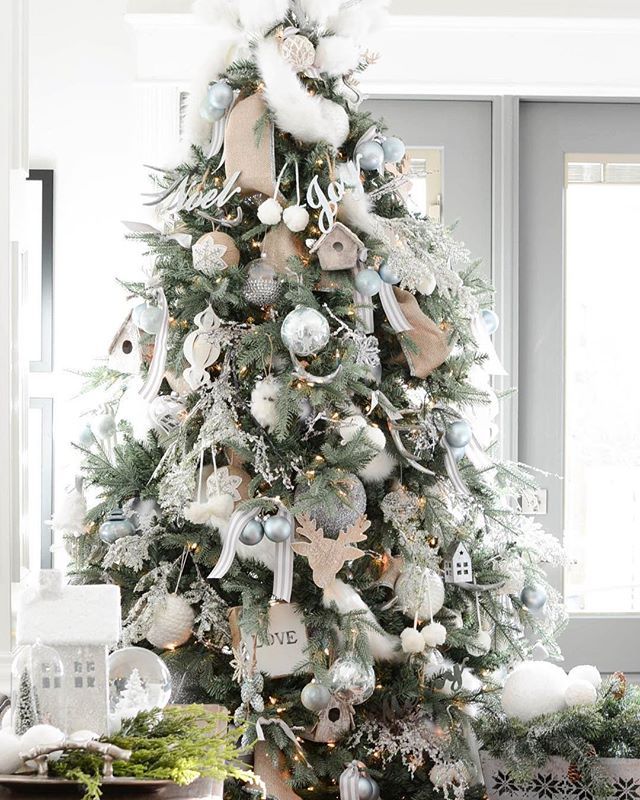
x: 534, y: 688
x: 10, y: 749
x: 296, y: 218
x: 586, y: 672
x: 270, y: 211
x: 580, y: 693
x: 412, y: 641
x: 379, y: 468
x: 172, y: 623
x: 264, y: 399
x: 434, y: 634
x: 350, y: 427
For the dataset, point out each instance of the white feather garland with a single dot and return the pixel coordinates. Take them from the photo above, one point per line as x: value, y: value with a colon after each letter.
x: 309, y: 118
x: 319, y: 11
x: 337, y: 55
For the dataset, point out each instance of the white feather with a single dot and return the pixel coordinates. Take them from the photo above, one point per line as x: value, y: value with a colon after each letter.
x: 261, y: 15
x: 337, y: 55
x: 308, y: 118
x: 263, y: 401
x: 319, y: 11
x: 383, y: 646
x: 361, y: 20
x: 379, y: 468
x: 355, y: 212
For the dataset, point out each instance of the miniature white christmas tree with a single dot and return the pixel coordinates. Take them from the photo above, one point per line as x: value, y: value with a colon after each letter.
x: 134, y: 697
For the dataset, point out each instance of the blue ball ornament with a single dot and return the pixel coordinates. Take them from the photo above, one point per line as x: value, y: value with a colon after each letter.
x: 252, y: 533
x: 277, y: 529
x: 220, y: 95
x: 371, y: 156
x: 150, y: 319
x: 137, y: 313
x: 86, y: 437
x: 211, y: 113
x: 368, y: 282
x: 458, y: 453
x: 394, y: 149
x: 491, y: 320
x: 533, y: 597
x: 458, y: 433
x: 116, y: 526
x: 388, y: 275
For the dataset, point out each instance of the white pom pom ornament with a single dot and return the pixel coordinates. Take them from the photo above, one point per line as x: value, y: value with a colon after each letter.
x: 172, y: 623
x: 534, y: 688
x: 263, y: 401
x: 580, y: 693
x: 434, y: 634
x: 351, y: 427
x: 586, y: 672
x: 412, y: 641
x: 296, y: 218
x: 270, y: 212
x: 379, y: 468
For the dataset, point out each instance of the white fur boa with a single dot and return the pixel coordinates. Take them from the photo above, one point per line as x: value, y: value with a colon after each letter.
x: 383, y: 646
x: 337, y: 55
x: 253, y: 16
x: 318, y: 12
x: 308, y: 118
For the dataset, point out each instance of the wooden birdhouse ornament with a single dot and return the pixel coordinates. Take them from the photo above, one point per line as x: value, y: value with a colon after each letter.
x: 457, y: 564
x: 338, y: 249
x: 125, y: 350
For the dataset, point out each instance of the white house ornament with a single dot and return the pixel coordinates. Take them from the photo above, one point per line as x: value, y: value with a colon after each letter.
x: 171, y: 623
x: 214, y: 252
x: 327, y: 556
x: 81, y: 623
x: 202, y: 348
x: 125, y: 352
x: 457, y: 564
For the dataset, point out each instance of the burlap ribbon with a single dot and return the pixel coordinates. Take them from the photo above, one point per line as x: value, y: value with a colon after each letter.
x: 279, y: 245
x: 249, y: 146
x: 273, y: 773
x: 429, y: 345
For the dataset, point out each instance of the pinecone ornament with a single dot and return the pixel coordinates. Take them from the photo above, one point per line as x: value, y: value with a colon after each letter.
x: 620, y: 683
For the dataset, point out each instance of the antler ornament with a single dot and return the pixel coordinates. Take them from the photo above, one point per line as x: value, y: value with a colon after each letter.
x: 327, y: 556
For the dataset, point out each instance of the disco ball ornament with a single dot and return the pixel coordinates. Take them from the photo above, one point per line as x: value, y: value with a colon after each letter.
x: 315, y: 697
x: 458, y: 433
x: 172, y: 623
x: 533, y: 598
x: 371, y: 156
x: 305, y: 331
x: 420, y: 592
x: 151, y: 669
x: 115, y: 527
x: 262, y: 286
x: 352, y: 680
x: 342, y: 510
x: 252, y: 533
x: 491, y: 320
x: 394, y: 149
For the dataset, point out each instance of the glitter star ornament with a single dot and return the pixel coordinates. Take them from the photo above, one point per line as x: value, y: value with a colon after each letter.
x: 214, y: 252
x: 327, y: 556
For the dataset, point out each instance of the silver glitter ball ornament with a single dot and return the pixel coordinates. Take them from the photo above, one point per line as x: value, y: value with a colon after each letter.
x: 315, y: 697
x: 533, y: 597
x: 305, y: 331
x: 252, y: 533
x: 352, y: 680
x: 341, y: 511
x: 277, y: 528
x: 115, y: 527
x: 262, y: 286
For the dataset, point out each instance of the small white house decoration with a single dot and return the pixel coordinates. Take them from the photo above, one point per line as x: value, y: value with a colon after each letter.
x: 125, y: 351
x: 81, y: 623
x: 457, y: 565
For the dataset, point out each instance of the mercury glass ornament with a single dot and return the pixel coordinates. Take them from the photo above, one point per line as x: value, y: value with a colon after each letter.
x: 491, y: 320
x: 315, y: 697
x: 458, y: 433
x: 115, y: 527
x: 342, y: 510
x: 394, y: 149
x: 371, y: 156
x: 220, y: 95
x: 277, y: 528
x: 152, y: 670
x: 305, y: 331
x: 252, y: 533
x: 352, y: 680
x: 420, y: 592
x: 210, y: 113
x: 262, y: 286
x: 368, y: 282
x: 387, y: 274
x: 533, y: 597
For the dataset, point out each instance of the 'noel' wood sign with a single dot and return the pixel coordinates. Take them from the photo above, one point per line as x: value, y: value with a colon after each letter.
x: 283, y: 650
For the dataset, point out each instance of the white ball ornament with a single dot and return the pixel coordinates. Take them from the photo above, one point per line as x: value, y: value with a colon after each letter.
x: 428, y: 284
x: 420, y: 591
x: 351, y: 427
x: 41, y: 736
x: 270, y: 212
x: 580, y: 693
x: 586, y: 672
x: 150, y: 319
x: 172, y: 623
x: 412, y: 641
x: 534, y: 688
x: 305, y: 331
x: 10, y: 749
x: 434, y: 634
x: 83, y: 736
x: 296, y: 218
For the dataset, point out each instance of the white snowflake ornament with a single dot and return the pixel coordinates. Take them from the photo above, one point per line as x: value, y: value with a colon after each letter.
x: 208, y: 255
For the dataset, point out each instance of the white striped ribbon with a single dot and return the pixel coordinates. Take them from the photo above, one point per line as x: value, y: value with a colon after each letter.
x: 392, y: 309
x: 477, y: 455
x: 364, y: 310
x: 159, y: 361
x: 349, y: 781
x: 283, y: 572
x: 452, y: 468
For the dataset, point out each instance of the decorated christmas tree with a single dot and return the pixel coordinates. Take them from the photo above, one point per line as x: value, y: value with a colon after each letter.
x: 314, y: 528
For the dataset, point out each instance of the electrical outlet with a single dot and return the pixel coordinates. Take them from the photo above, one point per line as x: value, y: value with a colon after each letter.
x: 537, y: 504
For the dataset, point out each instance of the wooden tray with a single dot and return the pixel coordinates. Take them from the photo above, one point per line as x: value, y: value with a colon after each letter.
x: 110, y: 786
